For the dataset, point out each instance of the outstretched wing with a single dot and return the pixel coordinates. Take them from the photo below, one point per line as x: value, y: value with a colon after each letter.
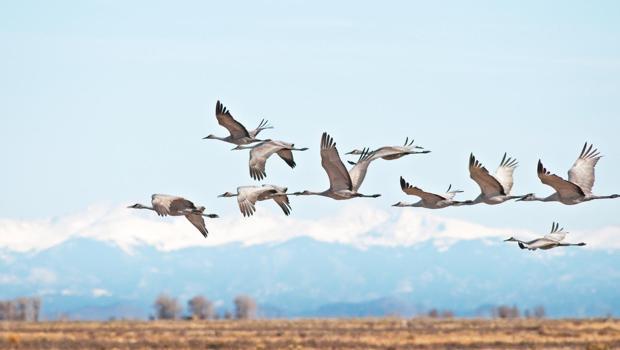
x: 339, y: 178
x: 450, y: 194
x: 287, y: 155
x: 283, y: 202
x: 556, y: 234
x: 582, y: 172
x: 247, y: 197
x: 504, y: 173
x: 198, y: 221
x: 489, y: 185
x: 225, y: 119
x: 359, y: 170
x: 565, y: 189
x: 415, y: 191
x: 258, y: 157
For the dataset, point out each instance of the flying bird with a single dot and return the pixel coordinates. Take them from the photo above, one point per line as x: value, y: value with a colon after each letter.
x: 495, y: 189
x: 428, y: 200
x: 551, y: 240
x: 393, y: 152
x: 262, y: 151
x: 578, y: 187
x: 343, y: 184
x: 247, y: 196
x: 239, y: 135
x: 165, y: 205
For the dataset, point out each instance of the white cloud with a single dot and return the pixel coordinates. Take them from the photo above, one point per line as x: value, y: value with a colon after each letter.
x: 100, y: 292
x: 41, y: 276
x: 360, y: 224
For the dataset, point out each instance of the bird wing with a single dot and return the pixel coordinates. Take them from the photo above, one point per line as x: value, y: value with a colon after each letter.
x: 258, y: 157
x: 282, y: 200
x: 489, y: 185
x: 225, y: 119
x: 339, y: 178
x: 416, y: 191
x: 359, y: 170
x: 199, y: 222
x: 287, y: 155
x: 556, y: 234
x: 504, y: 173
x: 565, y: 189
x: 165, y: 204
x: 582, y: 172
x: 247, y: 197
x: 450, y: 194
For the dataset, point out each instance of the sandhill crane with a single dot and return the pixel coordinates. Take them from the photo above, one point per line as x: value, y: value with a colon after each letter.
x: 551, y: 240
x: 239, y: 135
x: 428, y: 200
x: 343, y: 184
x: 247, y: 196
x: 494, y: 189
x: 393, y: 152
x: 262, y: 151
x: 578, y: 188
x: 165, y: 205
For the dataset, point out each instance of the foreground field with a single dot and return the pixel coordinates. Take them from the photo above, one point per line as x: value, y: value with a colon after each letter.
x: 315, y: 334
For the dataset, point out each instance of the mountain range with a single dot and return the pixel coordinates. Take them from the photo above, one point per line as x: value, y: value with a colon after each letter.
x: 85, y: 278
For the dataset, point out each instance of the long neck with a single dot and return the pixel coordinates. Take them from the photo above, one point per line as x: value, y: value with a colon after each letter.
x: 142, y: 206
x: 603, y: 197
x: 309, y: 193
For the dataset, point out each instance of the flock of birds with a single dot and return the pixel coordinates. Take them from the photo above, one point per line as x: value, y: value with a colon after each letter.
x: 345, y: 184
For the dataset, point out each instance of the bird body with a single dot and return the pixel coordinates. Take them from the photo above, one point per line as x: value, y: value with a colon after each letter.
x: 239, y: 135
x: 553, y: 239
x: 428, y: 200
x: 165, y: 205
x: 262, y: 151
x: 393, y: 152
x: 247, y: 196
x: 578, y: 188
x: 494, y: 189
x: 343, y: 184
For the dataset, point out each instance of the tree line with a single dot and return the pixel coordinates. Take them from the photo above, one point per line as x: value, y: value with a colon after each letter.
x: 20, y: 309
x: 199, y: 307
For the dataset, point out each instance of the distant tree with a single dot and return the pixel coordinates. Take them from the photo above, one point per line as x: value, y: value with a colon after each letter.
x: 36, y: 308
x: 505, y: 311
x: 166, y: 307
x: 433, y: 313
x: 228, y: 315
x: 539, y: 311
x: 21, y: 309
x: 447, y: 314
x: 245, y: 307
x: 200, y: 308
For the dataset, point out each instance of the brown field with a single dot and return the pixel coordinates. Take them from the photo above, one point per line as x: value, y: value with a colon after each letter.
x: 315, y: 334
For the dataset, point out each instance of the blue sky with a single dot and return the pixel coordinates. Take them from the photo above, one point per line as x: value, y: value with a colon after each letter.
x: 107, y: 102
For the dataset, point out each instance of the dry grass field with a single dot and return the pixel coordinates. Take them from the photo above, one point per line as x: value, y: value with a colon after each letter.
x: 315, y: 334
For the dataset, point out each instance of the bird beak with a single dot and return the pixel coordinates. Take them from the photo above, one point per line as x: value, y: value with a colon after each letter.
x: 349, y: 152
x: 395, y: 205
x: 507, y: 240
x: 220, y: 196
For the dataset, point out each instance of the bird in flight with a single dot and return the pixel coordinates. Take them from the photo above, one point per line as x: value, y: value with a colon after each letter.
x: 343, y: 184
x: 247, y: 196
x: 553, y: 239
x: 239, y: 135
x: 427, y: 199
x: 165, y: 205
x: 578, y: 188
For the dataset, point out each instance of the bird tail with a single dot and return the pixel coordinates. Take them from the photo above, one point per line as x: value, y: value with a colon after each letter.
x: 199, y: 210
